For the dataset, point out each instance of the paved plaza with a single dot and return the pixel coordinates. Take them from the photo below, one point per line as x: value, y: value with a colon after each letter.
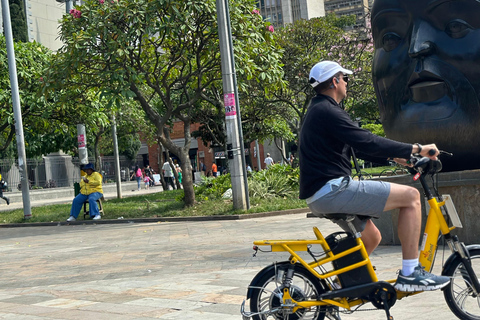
x: 169, y: 270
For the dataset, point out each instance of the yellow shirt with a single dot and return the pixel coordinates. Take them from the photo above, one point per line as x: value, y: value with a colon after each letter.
x: 94, y: 184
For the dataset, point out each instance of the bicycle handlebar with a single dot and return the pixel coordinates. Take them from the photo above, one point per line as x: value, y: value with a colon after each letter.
x: 431, y: 152
x: 425, y: 165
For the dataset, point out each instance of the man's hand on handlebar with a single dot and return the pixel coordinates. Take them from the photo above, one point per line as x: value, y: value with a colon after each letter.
x: 429, y: 150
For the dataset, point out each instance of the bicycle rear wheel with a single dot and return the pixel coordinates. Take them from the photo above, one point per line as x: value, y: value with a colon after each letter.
x: 268, y: 290
x: 459, y: 294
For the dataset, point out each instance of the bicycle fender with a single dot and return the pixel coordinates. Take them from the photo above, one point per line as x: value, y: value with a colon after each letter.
x: 453, y: 256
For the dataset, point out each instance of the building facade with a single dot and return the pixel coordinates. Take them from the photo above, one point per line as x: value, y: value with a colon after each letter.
x: 359, y: 8
x: 43, y: 18
x: 282, y: 12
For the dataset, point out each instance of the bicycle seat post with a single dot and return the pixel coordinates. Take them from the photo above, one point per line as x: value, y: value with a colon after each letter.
x: 352, y: 228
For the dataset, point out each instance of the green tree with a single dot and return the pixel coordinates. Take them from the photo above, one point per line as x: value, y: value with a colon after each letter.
x: 354, y: 51
x: 165, y: 54
x: 19, y: 21
x: 38, y: 114
x: 307, y: 42
x: 130, y: 121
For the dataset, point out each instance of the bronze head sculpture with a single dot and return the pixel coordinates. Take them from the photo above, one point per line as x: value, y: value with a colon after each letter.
x: 426, y: 74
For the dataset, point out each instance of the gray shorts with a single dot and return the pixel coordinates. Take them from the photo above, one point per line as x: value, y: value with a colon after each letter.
x: 365, y: 199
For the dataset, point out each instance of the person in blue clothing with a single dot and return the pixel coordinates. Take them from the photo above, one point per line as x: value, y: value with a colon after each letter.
x: 91, y: 190
x: 327, y: 139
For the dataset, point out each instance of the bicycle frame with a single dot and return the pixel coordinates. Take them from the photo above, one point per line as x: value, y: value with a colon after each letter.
x: 435, y: 224
x: 294, y: 246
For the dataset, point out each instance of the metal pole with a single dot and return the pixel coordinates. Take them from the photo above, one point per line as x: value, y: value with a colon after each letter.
x: 68, y: 6
x: 259, y: 164
x: 237, y: 104
x: 17, y: 111
x: 233, y: 142
x: 118, y: 178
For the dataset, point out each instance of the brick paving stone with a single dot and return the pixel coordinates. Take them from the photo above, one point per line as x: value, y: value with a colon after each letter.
x: 183, y: 270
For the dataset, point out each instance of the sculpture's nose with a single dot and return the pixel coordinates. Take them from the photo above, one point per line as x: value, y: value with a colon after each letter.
x: 421, y: 44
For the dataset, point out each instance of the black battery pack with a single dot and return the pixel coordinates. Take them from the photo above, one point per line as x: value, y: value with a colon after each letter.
x: 340, y: 242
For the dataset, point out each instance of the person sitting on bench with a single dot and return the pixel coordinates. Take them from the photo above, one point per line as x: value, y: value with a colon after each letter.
x: 91, y: 190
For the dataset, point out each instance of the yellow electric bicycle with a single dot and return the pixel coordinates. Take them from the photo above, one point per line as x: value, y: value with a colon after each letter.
x: 341, y: 276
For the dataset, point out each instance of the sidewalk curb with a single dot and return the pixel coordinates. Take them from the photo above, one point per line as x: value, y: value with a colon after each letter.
x: 159, y: 219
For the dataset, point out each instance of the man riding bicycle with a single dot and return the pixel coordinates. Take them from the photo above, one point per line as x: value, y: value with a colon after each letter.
x: 327, y: 140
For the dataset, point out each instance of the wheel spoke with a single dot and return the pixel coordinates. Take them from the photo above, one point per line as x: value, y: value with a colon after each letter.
x: 303, y: 287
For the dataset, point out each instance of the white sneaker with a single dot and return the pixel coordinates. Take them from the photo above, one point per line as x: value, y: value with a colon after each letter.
x: 72, y: 218
x: 97, y: 217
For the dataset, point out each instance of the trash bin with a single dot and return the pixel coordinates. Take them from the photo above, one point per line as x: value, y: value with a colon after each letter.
x: 76, y: 188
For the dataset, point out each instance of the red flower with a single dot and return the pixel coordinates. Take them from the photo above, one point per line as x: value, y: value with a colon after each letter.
x: 255, y: 11
x: 270, y: 28
x: 76, y: 13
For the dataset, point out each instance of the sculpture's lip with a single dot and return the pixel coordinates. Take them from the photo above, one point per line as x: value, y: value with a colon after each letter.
x: 428, y: 98
x: 428, y: 90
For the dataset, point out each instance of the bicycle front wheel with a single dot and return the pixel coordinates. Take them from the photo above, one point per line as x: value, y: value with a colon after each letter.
x: 459, y: 294
x: 266, y: 296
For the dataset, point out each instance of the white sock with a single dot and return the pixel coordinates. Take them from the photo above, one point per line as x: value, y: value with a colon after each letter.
x: 408, y: 266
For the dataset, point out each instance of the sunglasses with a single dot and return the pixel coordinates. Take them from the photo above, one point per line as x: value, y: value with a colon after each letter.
x: 345, y: 78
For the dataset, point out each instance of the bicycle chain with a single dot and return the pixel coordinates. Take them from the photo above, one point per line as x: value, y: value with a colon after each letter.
x: 357, y: 310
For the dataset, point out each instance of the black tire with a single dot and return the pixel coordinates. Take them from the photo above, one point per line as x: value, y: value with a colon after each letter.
x: 459, y: 294
x: 304, y: 286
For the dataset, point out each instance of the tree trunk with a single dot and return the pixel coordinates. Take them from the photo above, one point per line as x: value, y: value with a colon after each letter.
x: 164, y: 138
x: 183, y: 154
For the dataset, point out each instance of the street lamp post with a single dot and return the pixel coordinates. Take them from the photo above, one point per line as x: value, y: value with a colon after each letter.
x: 230, y: 95
x: 68, y: 4
x: 17, y: 111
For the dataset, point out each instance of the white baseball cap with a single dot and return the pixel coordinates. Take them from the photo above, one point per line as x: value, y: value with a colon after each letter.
x: 324, y: 70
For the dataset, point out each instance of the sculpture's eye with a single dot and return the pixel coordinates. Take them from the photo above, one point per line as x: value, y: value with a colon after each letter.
x: 457, y: 28
x: 390, y: 41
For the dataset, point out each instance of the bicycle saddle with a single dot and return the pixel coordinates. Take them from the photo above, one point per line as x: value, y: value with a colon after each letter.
x: 339, y: 216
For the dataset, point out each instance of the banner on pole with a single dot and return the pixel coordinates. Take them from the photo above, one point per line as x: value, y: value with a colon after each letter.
x: 81, y: 141
x: 229, y: 103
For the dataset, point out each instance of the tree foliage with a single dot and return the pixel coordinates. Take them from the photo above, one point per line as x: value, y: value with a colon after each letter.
x: 164, y: 54
x: 19, y: 21
x: 41, y: 129
x: 307, y: 42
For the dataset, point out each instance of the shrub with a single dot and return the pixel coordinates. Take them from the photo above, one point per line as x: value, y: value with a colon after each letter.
x: 277, y: 181
x: 212, y: 188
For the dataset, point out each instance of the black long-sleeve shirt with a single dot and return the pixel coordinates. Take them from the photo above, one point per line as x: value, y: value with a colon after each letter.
x: 325, y: 140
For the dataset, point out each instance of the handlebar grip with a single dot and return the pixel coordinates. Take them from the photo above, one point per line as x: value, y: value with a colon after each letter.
x: 431, y: 152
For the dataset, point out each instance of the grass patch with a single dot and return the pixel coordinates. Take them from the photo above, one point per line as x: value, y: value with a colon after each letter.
x: 376, y: 171
x: 162, y: 204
